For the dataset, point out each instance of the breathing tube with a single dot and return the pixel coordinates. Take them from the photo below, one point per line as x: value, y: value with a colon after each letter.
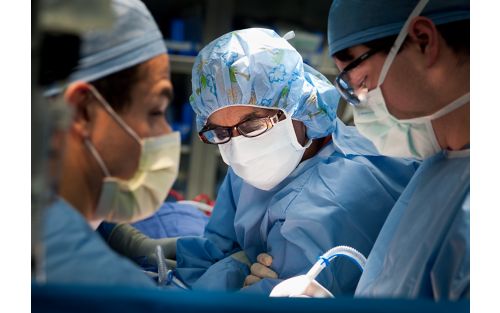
x: 331, y: 254
x: 306, y: 285
x: 166, y: 276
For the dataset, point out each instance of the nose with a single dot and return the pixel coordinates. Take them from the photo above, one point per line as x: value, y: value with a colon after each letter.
x: 234, y: 132
x: 165, y: 128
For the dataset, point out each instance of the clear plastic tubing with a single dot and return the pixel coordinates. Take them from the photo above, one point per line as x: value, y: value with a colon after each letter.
x: 162, y: 266
x: 326, y: 258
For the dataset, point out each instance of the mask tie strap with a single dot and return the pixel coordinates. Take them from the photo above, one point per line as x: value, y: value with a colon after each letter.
x: 452, y: 106
x: 113, y: 114
x: 97, y: 157
x: 399, y: 41
x: 443, y: 111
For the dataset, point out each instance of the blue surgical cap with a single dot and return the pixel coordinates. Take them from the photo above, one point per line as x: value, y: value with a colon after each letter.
x: 134, y: 38
x: 355, y: 22
x: 257, y: 67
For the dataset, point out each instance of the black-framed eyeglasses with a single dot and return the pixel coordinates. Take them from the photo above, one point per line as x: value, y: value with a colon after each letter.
x: 252, y: 127
x: 342, y: 82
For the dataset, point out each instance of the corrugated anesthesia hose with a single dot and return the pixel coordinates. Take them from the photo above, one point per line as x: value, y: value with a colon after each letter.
x: 328, y: 256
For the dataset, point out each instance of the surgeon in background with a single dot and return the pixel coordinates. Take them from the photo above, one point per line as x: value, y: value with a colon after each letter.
x: 291, y: 191
x: 405, y: 69
x: 120, y: 156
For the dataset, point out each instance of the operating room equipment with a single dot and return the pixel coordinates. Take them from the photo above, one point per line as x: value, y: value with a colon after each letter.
x: 162, y: 267
x: 306, y: 285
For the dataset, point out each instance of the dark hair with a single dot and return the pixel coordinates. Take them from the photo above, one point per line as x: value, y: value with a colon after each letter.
x: 455, y: 34
x: 457, y: 37
x: 117, y: 88
x: 58, y: 55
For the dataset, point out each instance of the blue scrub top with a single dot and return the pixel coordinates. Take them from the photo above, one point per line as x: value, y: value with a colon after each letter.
x: 75, y: 254
x: 423, y: 248
x: 341, y: 196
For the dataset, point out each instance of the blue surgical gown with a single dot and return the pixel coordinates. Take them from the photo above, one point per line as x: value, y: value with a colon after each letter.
x: 423, y: 248
x: 341, y: 196
x: 75, y: 254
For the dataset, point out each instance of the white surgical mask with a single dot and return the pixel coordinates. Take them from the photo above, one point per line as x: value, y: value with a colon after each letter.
x: 142, y: 195
x: 395, y: 137
x: 266, y: 160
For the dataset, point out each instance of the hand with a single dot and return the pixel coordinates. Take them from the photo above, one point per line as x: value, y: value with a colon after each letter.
x: 131, y: 243
x: 260, y: 270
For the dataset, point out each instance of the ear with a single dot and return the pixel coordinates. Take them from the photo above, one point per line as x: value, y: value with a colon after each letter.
x: 423, y: 32
x: 79, y: 97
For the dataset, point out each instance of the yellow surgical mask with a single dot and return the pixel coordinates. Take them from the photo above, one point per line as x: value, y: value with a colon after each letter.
x: 142, y: 195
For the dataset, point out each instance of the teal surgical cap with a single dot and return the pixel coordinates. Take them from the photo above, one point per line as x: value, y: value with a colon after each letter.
x: 258, y: 67
x: 133, y: 39
x: 354, y: 22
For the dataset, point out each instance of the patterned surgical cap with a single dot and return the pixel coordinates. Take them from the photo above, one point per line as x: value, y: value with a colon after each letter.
x: 258, y: 67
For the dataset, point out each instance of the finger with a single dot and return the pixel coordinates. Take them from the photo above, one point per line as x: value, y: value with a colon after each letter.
x: 262, y: 271
x: 265, y: 259
x: 250, y: 280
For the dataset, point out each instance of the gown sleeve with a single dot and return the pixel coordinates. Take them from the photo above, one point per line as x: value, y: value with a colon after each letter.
x: 207, y: 262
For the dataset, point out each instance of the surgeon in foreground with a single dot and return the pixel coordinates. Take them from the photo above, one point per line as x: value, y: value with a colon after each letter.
x: 291, y: 190
x: 406, y: 71
x: 120, y: 156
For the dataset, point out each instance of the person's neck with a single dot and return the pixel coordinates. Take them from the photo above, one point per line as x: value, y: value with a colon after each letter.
x: 77, y: 185
x: 313, y: 149
x: 453, y: 129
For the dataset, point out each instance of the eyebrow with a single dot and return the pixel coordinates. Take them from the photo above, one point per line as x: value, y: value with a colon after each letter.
x: 252, y: 115
x: 344, y: 55
x: 245, y: 117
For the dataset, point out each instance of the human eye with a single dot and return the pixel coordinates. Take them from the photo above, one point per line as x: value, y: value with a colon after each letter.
x: 159, y: 110
x: 217, y: 135
x: 156, y: 113
x: 253, y: 127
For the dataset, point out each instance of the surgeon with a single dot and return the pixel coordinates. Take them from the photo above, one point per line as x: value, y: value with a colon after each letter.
x: 405, y: 70
x: 120, y: 156
x: 290, y: 191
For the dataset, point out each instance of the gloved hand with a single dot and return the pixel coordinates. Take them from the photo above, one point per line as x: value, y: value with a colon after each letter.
x: 241, y: 257
x: 129, y: 242
x: 260, y: 269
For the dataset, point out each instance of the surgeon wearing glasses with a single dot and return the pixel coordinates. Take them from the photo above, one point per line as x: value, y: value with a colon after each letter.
x: 299, y: 180
x: 406, y: 72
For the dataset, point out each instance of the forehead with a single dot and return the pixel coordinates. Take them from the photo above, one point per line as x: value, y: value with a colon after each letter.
x: 154, y: 77
x: 155, y: 69
x: 232, y: 115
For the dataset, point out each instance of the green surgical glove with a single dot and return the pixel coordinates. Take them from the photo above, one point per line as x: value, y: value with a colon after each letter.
x: 129, y: 242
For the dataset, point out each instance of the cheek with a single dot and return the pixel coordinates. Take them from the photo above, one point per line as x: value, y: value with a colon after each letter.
x: 119, y: 151
x: 373, y: 69
x: 395, y: 98
x: 399, y: 91
x: 159, y: 126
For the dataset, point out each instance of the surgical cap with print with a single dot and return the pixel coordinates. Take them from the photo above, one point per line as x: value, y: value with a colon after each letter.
x: 258, y: 67
x: 133, y: 39
x: 354, y: 22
